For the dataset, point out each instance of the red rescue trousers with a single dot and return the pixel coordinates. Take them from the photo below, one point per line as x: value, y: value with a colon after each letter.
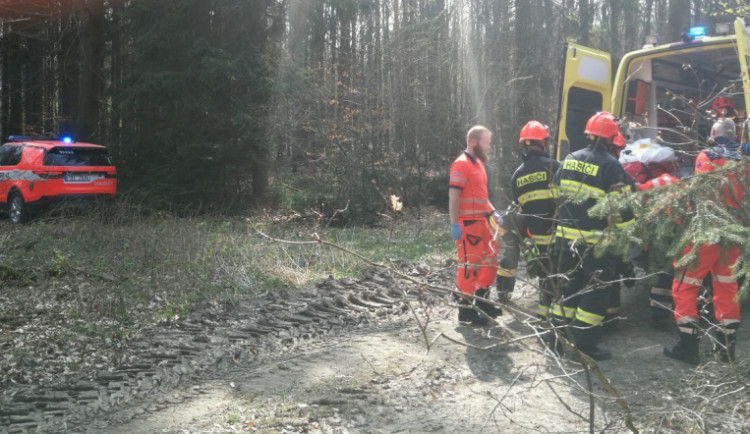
x: 685, y: 287
x: 477, y: 256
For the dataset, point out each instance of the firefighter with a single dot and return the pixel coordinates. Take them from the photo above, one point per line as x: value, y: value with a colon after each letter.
x: 714, y: 259
x: 470, y: 213
x: 533, y: 210
x: 586, y: 177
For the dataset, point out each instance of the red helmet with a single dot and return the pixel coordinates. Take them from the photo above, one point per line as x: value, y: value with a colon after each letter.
x: 619, y: 140
x: 723, y: 107
x: 533, y: 130
x: 602, y: 124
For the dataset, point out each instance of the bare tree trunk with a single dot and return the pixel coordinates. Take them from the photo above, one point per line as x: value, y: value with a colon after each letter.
x: 90, y: 85
x: 679, y: 17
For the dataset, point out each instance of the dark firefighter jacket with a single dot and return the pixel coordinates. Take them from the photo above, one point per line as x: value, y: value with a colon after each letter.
x: 533, y: 192
x: 584, y: 178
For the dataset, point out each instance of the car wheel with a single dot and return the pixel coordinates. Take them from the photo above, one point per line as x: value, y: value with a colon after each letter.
x: 17, y: 209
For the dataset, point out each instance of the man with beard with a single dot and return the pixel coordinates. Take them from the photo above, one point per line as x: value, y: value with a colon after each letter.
x: 471, y: 213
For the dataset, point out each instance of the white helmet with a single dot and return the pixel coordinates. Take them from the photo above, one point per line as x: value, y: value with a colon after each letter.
x: 724, y: 128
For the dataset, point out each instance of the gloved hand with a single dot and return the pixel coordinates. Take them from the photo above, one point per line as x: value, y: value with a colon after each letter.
x: 496, y: 220
x: 746, y: 148
x: 456, y: 231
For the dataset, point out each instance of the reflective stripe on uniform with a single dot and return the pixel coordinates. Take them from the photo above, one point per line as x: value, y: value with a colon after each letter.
x: 692, y: 281
x: 576, y: 189
x: 723, y: 279
x: 506, y: 273
x: 728, y: 329
x: 588, y: 317
x: 542, y: 240
x: 624, y: 224
x: 661, y: 291
x: 577, y: 234
x: 542, y: 310
x: 535, y: 195
x: 472, y: 212
x: 557, y: 309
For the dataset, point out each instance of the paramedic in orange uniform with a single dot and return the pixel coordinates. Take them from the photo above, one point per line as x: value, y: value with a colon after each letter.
x: 470, y: 212
x: 712, y: 258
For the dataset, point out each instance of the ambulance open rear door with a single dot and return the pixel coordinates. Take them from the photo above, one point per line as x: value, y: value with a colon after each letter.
x: 586, y: 89
x: 743, y: 49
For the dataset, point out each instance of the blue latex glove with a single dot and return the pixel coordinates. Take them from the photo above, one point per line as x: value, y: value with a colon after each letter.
x: 746, y: 148
x: 456, y: 231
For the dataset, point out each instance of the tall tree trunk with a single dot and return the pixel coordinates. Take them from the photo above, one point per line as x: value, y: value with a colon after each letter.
x: 679, y: 17
x: 91, y: 70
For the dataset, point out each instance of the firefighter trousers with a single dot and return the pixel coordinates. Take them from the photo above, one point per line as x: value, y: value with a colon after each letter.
x: 586, y: 293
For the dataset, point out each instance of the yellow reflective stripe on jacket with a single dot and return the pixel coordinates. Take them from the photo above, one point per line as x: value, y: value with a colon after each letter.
x: 577, y: 234
x: 575, y: 189
x: 535, y: 195
x: 542, y: 240
x: 588, y: 317
x: 506, y: 273
x: 623, y: 224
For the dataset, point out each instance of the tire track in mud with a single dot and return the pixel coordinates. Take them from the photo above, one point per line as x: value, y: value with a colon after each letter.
x: 165, y: 359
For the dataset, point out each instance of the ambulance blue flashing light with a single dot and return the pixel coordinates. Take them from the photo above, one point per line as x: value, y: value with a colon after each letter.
x: 694, y: 32
x: 697, y: 31
x: 66, y: 139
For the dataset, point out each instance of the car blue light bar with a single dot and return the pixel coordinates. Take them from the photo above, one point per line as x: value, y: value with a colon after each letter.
x: 66, y: 139
x: 697, y: 31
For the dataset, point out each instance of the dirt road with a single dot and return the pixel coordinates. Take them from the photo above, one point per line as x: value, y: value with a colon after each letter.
x: 378, y: 354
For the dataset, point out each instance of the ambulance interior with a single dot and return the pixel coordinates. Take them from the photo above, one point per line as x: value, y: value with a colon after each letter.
x: 670, y: 97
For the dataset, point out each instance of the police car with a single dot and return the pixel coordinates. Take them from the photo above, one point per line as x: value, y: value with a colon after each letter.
x: 36, y: 173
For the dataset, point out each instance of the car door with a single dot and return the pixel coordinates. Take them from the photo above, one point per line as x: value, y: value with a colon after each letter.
x: 743, y: 50
x: 586, y: 89
x: 7, y: 165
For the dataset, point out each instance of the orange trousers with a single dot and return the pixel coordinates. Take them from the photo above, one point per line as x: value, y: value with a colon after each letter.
x: 687, y: 283
x: 477, y: 256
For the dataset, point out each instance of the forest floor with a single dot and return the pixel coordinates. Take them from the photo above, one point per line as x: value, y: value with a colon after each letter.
x: 376, y: 353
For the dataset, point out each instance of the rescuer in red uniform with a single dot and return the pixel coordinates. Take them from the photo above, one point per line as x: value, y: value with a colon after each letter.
x: 714, y: 259
x: 470, y: 214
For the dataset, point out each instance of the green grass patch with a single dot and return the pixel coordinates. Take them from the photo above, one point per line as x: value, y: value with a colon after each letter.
x: 155, y: 268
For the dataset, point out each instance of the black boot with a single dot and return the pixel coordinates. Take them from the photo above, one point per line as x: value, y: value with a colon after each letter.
x: 724, y: 346
x: 587, y: 338
x: 466, y: 312
x: 597, y: 353
x: 687, y: 349
x: 491, y: 310
x: 505, y: 286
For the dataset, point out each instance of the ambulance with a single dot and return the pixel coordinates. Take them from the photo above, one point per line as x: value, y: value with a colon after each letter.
x: 669, y: 93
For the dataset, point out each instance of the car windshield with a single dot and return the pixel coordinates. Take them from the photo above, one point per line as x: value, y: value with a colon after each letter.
x: 72, y: 156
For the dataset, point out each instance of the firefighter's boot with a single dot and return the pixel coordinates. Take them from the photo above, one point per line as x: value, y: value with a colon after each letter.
x: 724, y: 346
x: 612, y: 318
x: 505, y: 286
x: 586, y: 339
x: 687, y: 349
